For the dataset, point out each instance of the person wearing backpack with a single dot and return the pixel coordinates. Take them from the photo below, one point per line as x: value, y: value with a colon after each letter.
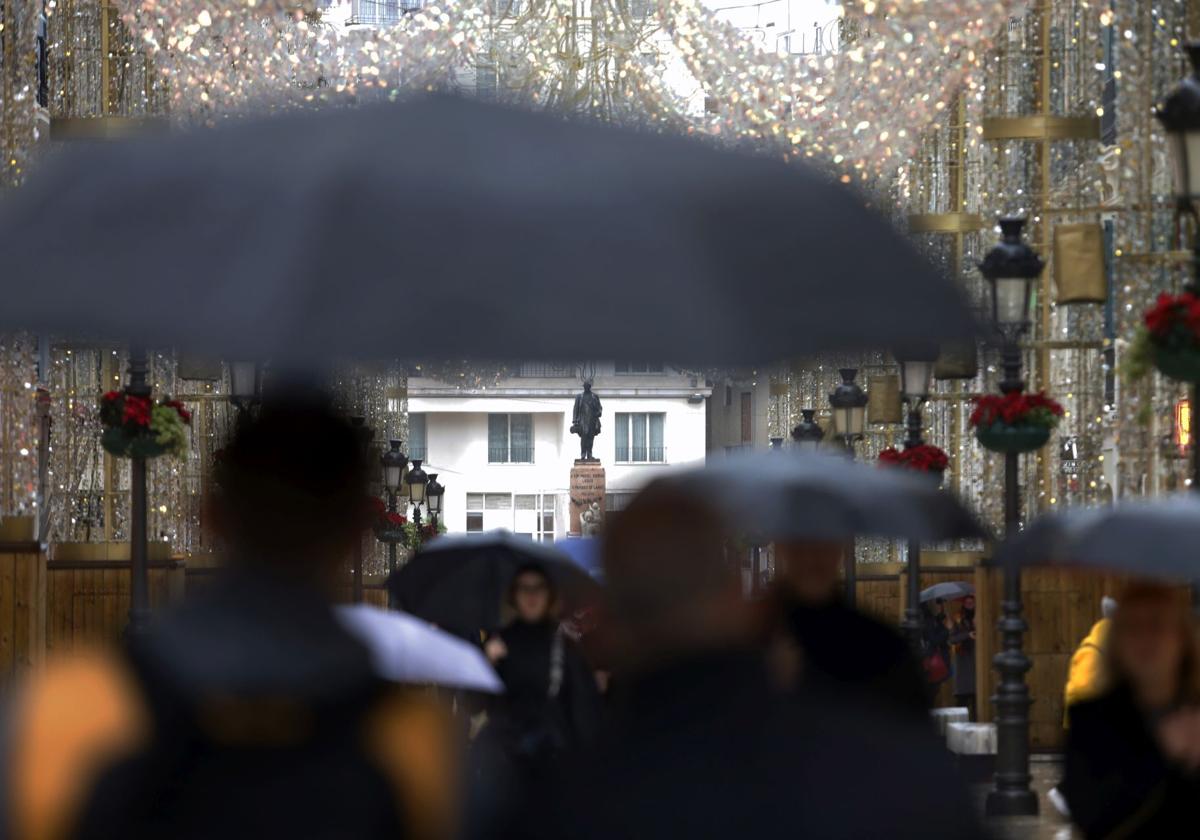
x: 248, y: 711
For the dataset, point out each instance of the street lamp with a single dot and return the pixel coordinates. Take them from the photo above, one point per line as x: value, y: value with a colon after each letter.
x: 1012, y: 268
x: 1180, y: 118
x: 244, y: 384
x: 418, y: 482
x: 394, y: 461
x: 808, y: 435
x: 434, y: 493
x: 849, y: 403
x: 364, y: 434
x: 916, y: 375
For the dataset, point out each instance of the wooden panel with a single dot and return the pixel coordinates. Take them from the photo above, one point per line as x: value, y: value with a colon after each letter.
x: 1060, y: 608
x: 21, y: 639
x: 87, y: 601
x: 876, y: 596
x: 7, y: 610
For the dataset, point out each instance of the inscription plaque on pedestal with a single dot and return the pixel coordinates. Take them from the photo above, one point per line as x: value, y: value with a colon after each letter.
x: 587, y: 498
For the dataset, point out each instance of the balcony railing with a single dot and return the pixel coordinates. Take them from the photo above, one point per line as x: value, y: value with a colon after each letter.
x: 380, y: 12
x: 510, y: 455
x: 547, y: 370
x: 643, y: 455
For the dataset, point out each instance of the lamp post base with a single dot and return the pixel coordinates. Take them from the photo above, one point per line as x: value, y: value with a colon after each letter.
x: 1011, y: 803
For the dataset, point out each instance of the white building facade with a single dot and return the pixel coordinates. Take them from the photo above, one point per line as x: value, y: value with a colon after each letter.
x: 504, y: 452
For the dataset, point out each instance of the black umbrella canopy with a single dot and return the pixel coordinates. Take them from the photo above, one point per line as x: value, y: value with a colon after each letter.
x: 773, y: 496
x: 1151, y: 537
x: 460, y: 582
x: 523, y: 235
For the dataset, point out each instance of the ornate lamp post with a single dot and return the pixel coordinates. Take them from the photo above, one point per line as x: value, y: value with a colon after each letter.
x: 245, y: 386
x: 418, y: 483
x: 1012, y: 268
x: 916, y: 373
x: 434, y: 493
x: 807, y: 435
x: 394, y: 461
x: 1180, y: 118
x: 849, y: 403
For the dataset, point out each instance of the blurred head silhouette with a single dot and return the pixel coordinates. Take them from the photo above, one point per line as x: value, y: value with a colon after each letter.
x: 532, y: 595
x: 810, y: 571
x: 292, y: 488
x: 672, y: 592
x: 1152, y: 644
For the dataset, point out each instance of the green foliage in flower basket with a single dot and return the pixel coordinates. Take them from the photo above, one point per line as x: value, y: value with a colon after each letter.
x: 136, y: 427
x: 1003, y: 438
x: 417, y: 537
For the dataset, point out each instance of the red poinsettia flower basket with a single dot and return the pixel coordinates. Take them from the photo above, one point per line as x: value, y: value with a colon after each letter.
x: 1015, y: 422
x: 925, y: 458
x: 138, y: 427
x: 1170, y: 337
x: 389, y: 526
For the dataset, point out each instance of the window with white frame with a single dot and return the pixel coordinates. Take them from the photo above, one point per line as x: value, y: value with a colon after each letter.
x: 639, y: 438
x: 525, y: 514
x: 638, y: 367
x: 416, y: 437
x: 548, y: 370
x: 510, y: 438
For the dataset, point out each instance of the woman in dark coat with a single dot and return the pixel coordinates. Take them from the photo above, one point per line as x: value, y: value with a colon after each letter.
x: 551, y: 705
x: 935, y: 640
x: 1133, y: 751
x: 962, y: 637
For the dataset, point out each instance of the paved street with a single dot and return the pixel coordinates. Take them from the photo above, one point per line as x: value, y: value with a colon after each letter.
x: 1048, y: 825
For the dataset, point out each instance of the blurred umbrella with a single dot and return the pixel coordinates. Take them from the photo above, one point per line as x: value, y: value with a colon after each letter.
x: 405, y: 649
x: 584, y: 552
x: 460, y: 582
x: 950, y: 590
x: 280, y: 237
x: 1155, y: 538
x: 770, y: 496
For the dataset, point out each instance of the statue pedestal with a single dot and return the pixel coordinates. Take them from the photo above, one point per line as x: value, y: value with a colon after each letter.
x: 587, y: 496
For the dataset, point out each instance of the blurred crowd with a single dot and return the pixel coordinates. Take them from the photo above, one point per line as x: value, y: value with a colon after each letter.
x: 690, y: 711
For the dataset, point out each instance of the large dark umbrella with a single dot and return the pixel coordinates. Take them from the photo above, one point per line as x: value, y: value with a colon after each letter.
x: 529, y: 235
x: 460, y: 582
x: 1156, y: 538
x: 770, y: 496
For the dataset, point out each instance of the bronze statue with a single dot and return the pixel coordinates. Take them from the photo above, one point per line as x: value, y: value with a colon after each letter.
x: 585, y: 422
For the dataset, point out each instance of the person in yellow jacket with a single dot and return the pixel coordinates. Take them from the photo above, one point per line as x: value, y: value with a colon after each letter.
x: 1085, y: 678
x: 1086, y: 675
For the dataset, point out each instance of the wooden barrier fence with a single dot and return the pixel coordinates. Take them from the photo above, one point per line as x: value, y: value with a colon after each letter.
x: 81, y: 596
x: 87, y: 591
x: 22, y: 599
x: 1059, y: 606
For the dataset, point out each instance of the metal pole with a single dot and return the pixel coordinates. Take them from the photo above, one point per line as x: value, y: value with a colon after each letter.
x: 849, y: 561
x: 755, y: 569
x: 1011, y: 795
x: 139, y: 584
x: 912, y: 611
x: 1193, y: 396
x: 391, y: 543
